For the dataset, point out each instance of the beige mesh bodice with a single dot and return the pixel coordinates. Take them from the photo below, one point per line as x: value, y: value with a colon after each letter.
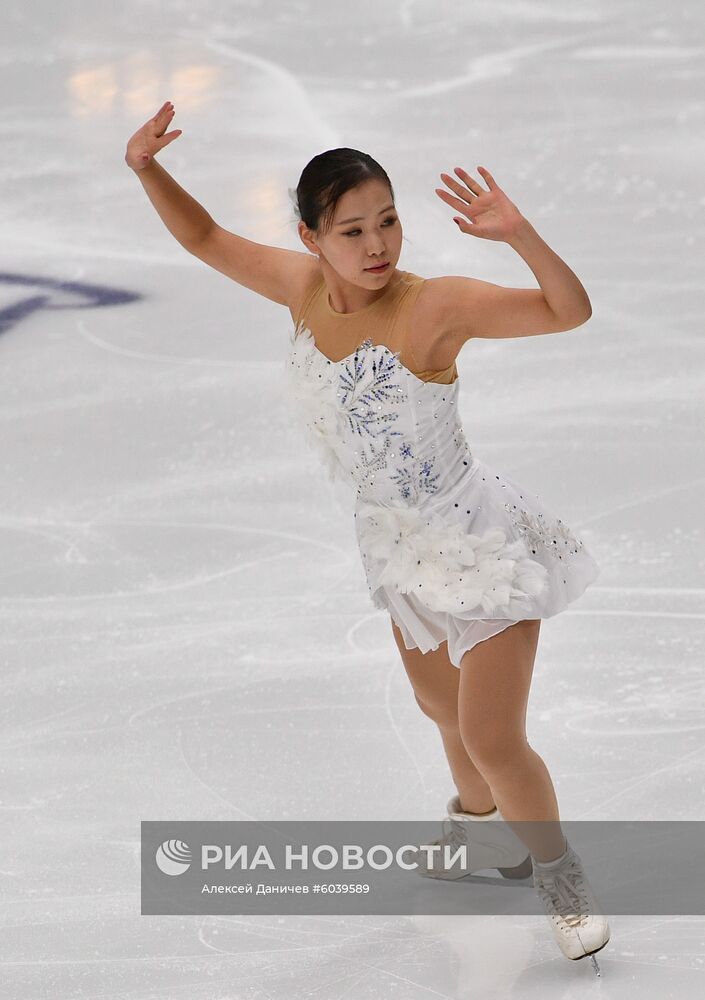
x: 385, y: 321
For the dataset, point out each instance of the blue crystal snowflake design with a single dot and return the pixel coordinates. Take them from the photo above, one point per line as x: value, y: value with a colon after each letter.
x: 366, y: 400
x: 366, y: 394
x: 416, y: 478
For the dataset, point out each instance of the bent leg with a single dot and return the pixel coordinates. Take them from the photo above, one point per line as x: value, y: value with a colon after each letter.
x: 495, y: 676
x: 435, y: 682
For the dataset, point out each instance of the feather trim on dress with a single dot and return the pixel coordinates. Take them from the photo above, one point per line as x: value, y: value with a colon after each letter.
x: 446, y: 568
x: 316, y: 405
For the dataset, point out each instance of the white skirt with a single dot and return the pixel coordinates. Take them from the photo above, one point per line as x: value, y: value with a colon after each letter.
x: 472, y: 563
x: 431, y: 628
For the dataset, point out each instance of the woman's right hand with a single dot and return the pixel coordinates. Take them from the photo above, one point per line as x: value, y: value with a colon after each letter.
x: 149, y: 139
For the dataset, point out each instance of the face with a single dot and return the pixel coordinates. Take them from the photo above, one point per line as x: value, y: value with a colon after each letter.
x: 373, y: 238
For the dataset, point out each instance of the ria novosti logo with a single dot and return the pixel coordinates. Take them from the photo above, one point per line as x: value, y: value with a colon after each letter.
x: 173, y: 857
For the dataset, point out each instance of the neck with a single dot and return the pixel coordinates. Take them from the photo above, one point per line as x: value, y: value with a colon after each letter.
x: 344, y: 297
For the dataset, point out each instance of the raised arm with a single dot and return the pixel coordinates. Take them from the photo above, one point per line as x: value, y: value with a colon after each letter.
x: 473, y: 308
x: 275, y: 273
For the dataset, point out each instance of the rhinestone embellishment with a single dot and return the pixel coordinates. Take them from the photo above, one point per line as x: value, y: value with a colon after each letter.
x: 555, y: 537
x: 367, y: 394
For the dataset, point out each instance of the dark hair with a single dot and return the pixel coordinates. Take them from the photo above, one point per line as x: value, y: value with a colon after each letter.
x: 326, y: 178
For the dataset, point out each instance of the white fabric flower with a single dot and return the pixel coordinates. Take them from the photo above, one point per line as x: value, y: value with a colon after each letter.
x: 447, y: 569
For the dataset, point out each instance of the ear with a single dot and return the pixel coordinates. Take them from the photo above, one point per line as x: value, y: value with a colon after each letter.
x: 306, y: 238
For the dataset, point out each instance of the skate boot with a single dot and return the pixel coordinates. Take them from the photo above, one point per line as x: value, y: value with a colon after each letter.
x: 489, y: 845
x: 563, y: 887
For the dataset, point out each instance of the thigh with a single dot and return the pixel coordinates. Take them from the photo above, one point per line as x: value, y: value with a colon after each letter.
x: 495, y: 677
x: 433, y: 677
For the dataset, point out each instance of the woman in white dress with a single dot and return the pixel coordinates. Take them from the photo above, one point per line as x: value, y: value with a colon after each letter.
x: 478, y: 695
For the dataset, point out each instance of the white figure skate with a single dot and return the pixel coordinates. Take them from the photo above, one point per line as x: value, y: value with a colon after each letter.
x: 489, y: 845
x: 564, y: 887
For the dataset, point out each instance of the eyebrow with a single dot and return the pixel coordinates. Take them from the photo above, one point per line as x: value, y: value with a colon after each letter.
x: 357, y: 218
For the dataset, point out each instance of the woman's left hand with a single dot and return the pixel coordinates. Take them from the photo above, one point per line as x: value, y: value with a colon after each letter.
x: 491, y: 215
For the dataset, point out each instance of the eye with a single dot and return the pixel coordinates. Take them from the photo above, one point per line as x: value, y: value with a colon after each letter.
x: 354, y: 232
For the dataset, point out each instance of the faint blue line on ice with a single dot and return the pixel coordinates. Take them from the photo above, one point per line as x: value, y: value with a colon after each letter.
x: 638, y: 501
x: 162, y: 358
x: 394, y: 672
x: 616, y: 613
x: 643, y: 780
x: 312, y: 125
x: 484, y: 67
x: 231, y: 528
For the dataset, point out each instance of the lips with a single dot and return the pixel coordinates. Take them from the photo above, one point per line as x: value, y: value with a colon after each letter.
x: 377, y: 266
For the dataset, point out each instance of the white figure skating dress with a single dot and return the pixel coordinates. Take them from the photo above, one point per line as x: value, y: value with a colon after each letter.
x: 454, y: 550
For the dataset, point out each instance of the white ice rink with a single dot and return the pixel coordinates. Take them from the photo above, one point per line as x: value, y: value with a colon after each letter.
x: 186, y: 630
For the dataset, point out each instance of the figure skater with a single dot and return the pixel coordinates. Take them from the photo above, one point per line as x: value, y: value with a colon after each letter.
x: 465, y: 561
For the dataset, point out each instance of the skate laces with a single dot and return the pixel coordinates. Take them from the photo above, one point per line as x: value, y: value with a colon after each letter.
x: 454, y: 832
x: 453, y: 835
x: 564, y: 888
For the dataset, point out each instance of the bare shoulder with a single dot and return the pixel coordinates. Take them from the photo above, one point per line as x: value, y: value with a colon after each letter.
x: 431, y: 326
x: 441, y: 297
x: 432, y: 298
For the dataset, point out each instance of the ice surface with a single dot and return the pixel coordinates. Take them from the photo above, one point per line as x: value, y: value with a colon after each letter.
x: 185, y: 627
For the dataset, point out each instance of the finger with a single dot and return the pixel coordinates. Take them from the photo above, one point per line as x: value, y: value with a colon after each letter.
x: 456, y: 203
x: 470, y: 181
x: 164, y: 112
x: 463, y: 192
x: 464, y: 225
x: 163, y: 122
x: 489, y: 179
x: 169, y: 137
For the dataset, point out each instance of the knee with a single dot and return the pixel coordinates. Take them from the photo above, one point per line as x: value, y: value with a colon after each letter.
x: 493, y: 748
x: 443, y: 712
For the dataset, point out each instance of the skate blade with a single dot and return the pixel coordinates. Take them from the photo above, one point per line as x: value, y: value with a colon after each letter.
x: 475, y: 878
x: 524, y: 870
x: 516, y: 873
